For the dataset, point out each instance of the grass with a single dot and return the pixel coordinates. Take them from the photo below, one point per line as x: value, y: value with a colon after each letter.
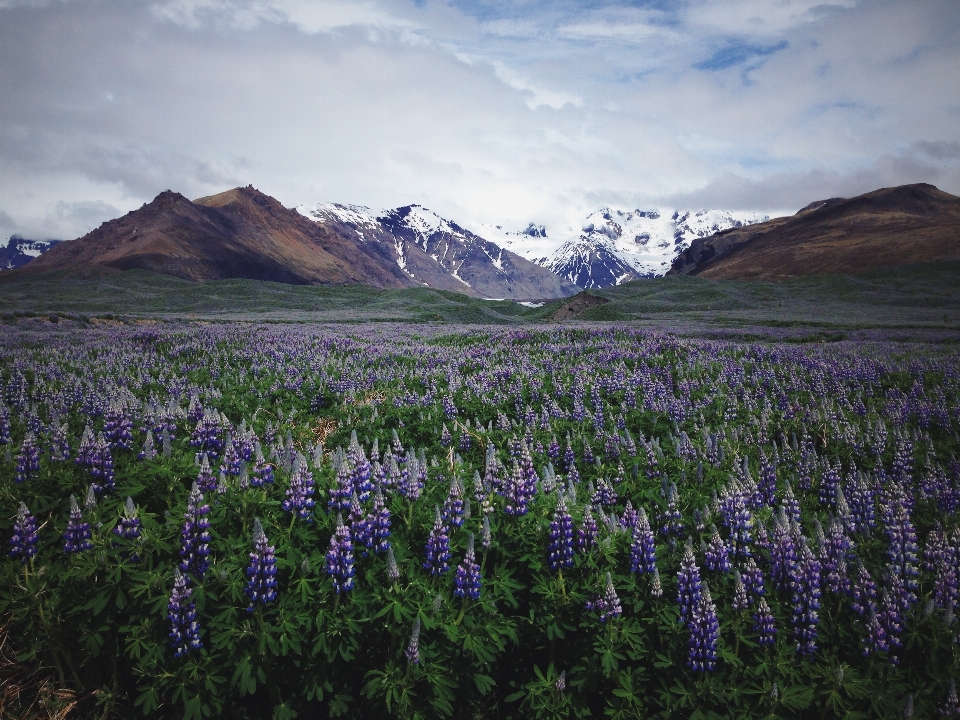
x: 921, y: 296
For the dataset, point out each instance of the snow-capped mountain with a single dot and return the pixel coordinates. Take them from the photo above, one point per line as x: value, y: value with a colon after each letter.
x: 615, y: 246
x: 20, y: 251
x: 440, y: 253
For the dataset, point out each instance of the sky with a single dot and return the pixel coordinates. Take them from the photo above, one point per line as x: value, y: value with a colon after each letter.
x: 486, y: 111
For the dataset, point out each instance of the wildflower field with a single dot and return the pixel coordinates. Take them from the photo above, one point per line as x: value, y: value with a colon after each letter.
x: 251, y: 521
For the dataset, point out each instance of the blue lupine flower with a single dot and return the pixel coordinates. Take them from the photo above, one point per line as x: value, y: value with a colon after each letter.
x: 262, y: 571
x: 643, y: 553
x: 23, y: 544
x: 299, y: 499
x: 129, y: 526
x: 28, y: 459
x: 763, y: 623
x: 607, y: 603
x: 560, y: 545
x: 76, y: 538
x: 805, y: 583
x: 688, y: 583
x: 340, y: 558
x: 716, y: 558
x: 413, y: 647
x: 453, y: 505
x: 262, y: 473
x: 195, y: 535
x: 379, y: 523
x: 704, y: 634
x: 468, y: 574
x: 184, y: 628
x: 438, y: 547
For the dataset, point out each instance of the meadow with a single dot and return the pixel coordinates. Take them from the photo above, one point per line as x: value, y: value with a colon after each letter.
x: 301, y: 520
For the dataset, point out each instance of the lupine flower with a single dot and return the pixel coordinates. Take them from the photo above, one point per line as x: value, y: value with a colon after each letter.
x: 790, y: 504
x: 864, y: 592
x: 378, y: 521
x: 560, y: 545
x: 656, y: 589
x: 768, y: 479
x: 561, y: 683
x: 129, y: 526
x: 704, y: 634
x: 23, y: 544
x: 341, y: 494
x: 360, y: 530
x: 262, y: 470
x: 740, y: 600
x: 688, y: 583
x: 184, y: 628
x: 643, y: 553
x: 76, y: 538
x: 763, y: 623
x: 28, y: 459
x: 393, y: 572
x: 468, y: 575
x: 607, y: 603
x: 587, y: 532
x: 716, y: 557
x: 671, y: 522
x: 835, y: 548
x: 413, y: 647
x: 206, y: 480
x: 195, y: 535
x: 438, y: 547
x: 299, y: 499
x: 485, y: 536
x: 805, y: 581
x: 148, y: 452
x: 262, y: 571
x: 340, y: 558
x: 453, y: 505
x: 118, y: 427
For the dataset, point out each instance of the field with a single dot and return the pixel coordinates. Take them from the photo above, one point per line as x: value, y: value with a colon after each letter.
x: 372, y: 520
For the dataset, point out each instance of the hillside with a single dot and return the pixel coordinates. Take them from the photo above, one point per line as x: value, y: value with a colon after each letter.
x: 884, y: 228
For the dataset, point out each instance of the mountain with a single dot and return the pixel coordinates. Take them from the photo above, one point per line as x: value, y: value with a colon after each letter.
x: 615, y: 246
x: 884, y: 228
x: 19, y: 251
x: 243, y: 233
x: 441, y: 254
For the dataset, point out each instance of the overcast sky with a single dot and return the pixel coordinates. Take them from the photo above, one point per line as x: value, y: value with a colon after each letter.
x: 499, y: 111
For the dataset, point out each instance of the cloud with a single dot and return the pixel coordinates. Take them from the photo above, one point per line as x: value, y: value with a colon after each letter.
x: 938, y: 149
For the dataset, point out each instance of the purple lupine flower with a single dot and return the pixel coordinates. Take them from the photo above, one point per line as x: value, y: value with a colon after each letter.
x: 805, y: 582
x: 184, y: 628
x: 468, y: 574
x: 569, y: 457
x: 862, y: 504
x: 716, y: 558
x: 23, y: 544
x: 834, y: 550
x: 671, y: 522
x: 231, y: 461
x: 393, y: 572
x: 486, y: 538
x: 206, y: 435
x: 206, y: 480
x: 767, y: 486
x: 445, y: 438
x: 688, y: 583
x: 262, y: 571
x: 413, y: 647
x: 656, y: 589
x: 783, y: 553
x: 630, y: 517
x: 378, y: 521
x: 361, y: 471
x: 607, y: 603
x: 643, y: 552
x: 604, y: 494
x: 553, y: 449
x: 438, y: 547
x: 951, y: 707
x: 736, y: 517
x: 763, y: 623
x: 360, y: 530
x: 752, y: 579
x: 118, y: 427
x: 149, y: 451
x: 341, y: 493
x: 195, y: 535
x: 902, y: 550
x: 863, y: 592
x: 587, y: 532
x: 262, y: 473
x: 76, y: 538
x: 704, y: 634
x: 829, y: 484
x: 876, y: 638
x: 129, y: 526
x: 299, y: 499
x: 560, y: 545
x: 453, y: 505
x: 28, y: 459
x: 790, y: 504
x: 340, y: 558
x: 740, y: 599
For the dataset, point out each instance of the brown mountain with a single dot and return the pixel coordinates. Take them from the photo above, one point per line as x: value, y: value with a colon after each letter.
x: 883, y: 228
x: 243, y: 233
x: 238, y: 233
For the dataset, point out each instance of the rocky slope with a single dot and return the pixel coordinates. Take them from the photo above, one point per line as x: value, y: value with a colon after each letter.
x: 440, y: 253
x: 884, y: 228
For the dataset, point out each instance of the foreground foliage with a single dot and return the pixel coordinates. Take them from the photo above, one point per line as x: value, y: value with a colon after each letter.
x: 302, y: 520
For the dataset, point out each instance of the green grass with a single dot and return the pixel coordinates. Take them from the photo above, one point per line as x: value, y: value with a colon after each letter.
x: 926, y: 296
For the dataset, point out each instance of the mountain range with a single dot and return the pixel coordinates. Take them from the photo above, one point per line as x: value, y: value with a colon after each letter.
x: 19, y: 251
x: 243, y: 233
